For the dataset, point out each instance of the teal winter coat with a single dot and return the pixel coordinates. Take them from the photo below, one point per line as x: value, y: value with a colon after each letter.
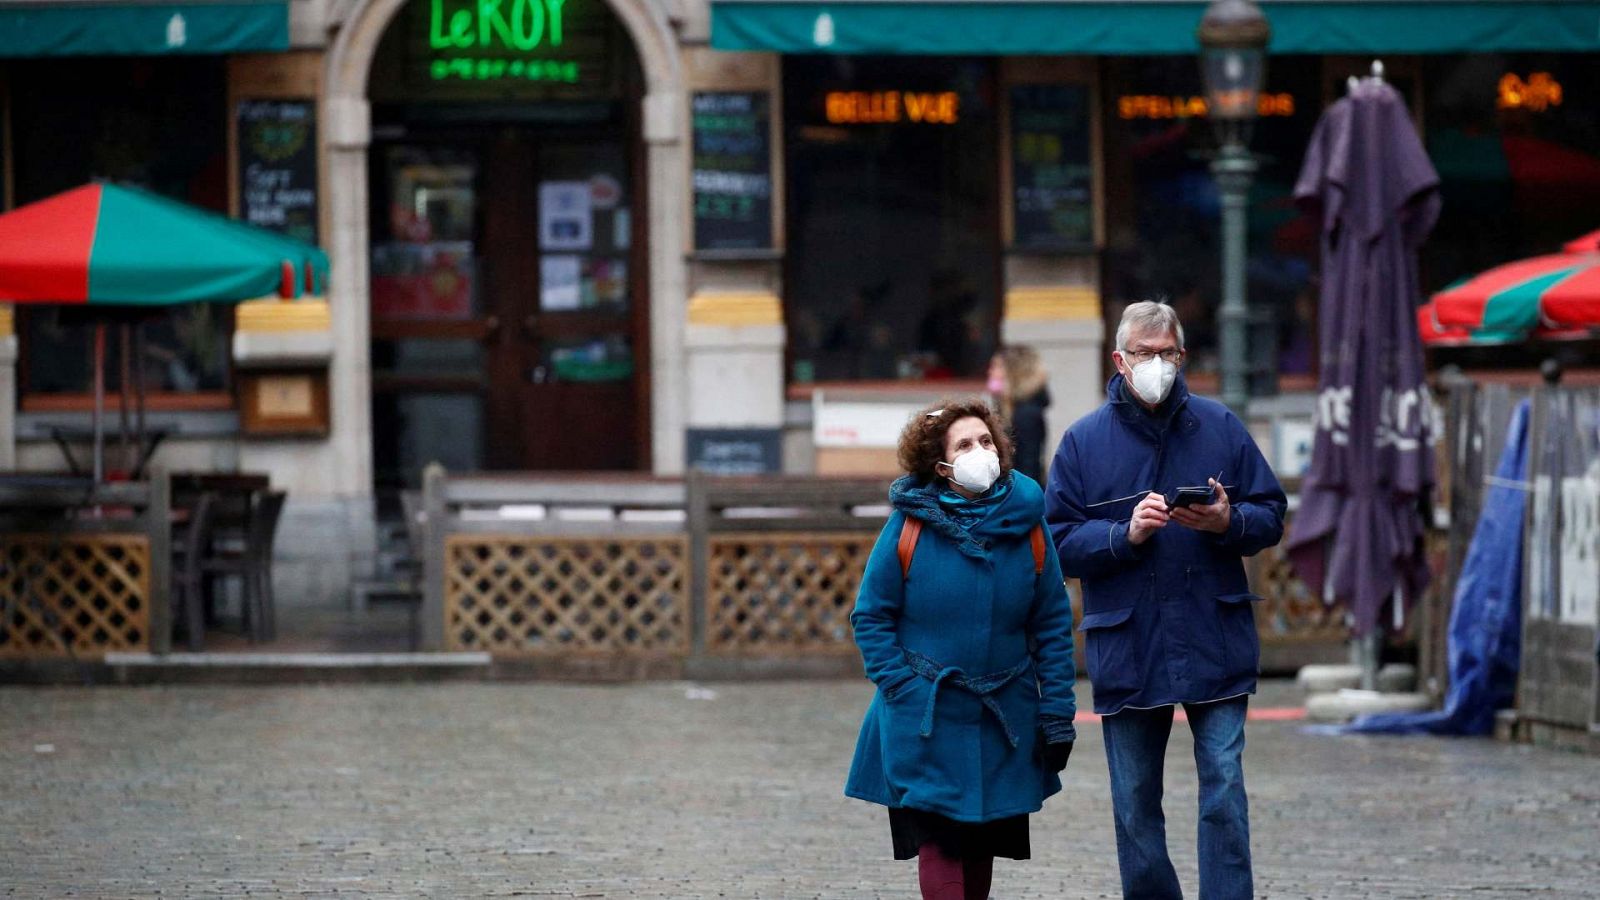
x: 972, y: 655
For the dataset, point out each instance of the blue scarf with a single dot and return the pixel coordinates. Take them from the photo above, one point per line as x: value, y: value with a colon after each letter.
x: 967, y: 513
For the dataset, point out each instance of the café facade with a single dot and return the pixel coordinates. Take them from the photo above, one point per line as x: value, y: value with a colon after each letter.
x: 637, y: 236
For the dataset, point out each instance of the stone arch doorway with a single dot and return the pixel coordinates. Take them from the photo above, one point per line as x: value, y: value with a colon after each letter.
x: 659, y: 114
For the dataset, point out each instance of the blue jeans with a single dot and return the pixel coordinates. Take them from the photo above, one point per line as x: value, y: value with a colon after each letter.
x: 1136, y: 747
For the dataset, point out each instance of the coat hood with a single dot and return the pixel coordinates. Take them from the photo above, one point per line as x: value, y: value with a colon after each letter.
x: 1013, y: 516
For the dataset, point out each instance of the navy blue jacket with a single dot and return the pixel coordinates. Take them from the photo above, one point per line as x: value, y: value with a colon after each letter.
x: 963, y: 702
x: 1168, y: 621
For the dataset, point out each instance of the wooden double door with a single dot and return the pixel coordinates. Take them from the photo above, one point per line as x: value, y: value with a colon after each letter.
x: 510, y: 318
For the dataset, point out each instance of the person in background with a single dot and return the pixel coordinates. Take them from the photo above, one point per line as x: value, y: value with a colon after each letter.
x: 1167, y: 612
x: 964, y: 625
x: 1017, y: 379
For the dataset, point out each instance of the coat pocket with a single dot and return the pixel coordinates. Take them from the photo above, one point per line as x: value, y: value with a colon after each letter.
x: 895, y: 685
x: 1238, y: 622
x: 1111, y: 650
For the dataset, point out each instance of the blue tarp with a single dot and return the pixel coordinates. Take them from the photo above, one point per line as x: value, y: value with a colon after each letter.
x: 1485, y: 635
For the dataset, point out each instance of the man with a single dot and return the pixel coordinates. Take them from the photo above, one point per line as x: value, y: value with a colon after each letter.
x: 1166, y: 606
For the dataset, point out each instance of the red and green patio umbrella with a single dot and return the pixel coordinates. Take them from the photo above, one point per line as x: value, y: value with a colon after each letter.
x: 112, y: 244
x: 1589, y: 243
x: 1545, y: 295
x: 117, y: 248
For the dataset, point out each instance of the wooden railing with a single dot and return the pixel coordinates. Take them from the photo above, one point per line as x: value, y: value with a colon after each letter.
x: 540, y: 567
x: 702, y: 574
x: 778, y: 562
x: 83, y: 569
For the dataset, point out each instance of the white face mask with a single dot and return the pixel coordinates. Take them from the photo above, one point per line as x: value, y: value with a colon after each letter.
x: 1153, y: 379
x: 976, y: 470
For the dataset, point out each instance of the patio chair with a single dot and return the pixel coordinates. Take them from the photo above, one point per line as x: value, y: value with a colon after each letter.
x: 251, y: 563
x: 399, y: 574
x: 188, y: 574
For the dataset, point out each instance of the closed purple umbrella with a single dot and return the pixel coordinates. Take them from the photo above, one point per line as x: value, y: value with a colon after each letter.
x: 1357, y: 537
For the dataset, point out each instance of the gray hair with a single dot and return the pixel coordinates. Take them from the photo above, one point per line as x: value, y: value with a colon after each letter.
x: 1148, y: 315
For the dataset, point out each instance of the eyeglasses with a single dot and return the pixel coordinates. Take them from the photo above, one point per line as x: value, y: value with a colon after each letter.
x: 1172, y: 355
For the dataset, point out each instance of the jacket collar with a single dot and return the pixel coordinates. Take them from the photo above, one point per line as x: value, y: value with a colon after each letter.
x: 1137, y: 416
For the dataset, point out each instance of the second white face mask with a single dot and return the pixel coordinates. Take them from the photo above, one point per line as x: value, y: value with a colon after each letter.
x: 976, y: 469
x: 1153, y: 379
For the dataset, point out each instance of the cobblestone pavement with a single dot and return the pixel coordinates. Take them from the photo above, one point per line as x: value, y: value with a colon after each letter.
x: 664, y: 790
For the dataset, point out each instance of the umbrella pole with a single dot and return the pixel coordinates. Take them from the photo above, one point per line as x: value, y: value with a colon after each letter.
x: 99, y: 401
x: 1364, y: 653
x: 124, y: 390
x: 138, y: 386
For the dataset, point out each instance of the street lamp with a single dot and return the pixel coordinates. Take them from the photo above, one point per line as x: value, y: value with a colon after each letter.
x: 1233, y: 38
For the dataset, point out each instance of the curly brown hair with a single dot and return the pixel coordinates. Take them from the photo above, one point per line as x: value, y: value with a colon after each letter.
x: 922, y: 441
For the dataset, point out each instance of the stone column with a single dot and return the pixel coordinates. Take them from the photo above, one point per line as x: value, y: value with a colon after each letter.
x: 735, y: 358
x: 349, y: 130
x: 1054, y: 307
x: 327, y: 535
x: 735, y: 335
x: 667, y: 159
x: 1052, y: 300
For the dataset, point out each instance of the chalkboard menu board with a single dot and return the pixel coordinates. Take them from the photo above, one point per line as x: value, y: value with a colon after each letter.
x: 278, y: 166
x: 1052, y: 198
x: 732, y: 171
x: 736, y: 451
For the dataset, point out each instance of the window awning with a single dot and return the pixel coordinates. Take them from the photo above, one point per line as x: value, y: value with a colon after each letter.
x: 1136, y: 27
x: 109, y: 28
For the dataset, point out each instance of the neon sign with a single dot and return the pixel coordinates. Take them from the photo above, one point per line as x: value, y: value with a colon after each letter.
x: 1153, y: 106
x: 520, y: 24
x: 889, y: 107
x: 1540, y: 92
x: 494, y: 40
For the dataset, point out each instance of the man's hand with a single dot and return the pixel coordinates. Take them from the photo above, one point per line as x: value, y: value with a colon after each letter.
x: 1213, y: 517
x: 1149, y: 517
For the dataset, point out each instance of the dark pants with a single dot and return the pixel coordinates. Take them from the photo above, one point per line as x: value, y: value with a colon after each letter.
x: 1136, y: 747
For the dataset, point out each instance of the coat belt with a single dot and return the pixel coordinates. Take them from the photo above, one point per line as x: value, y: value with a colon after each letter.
x: 983, y: 686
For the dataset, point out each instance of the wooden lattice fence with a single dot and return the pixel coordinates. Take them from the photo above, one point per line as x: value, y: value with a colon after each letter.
x: 783, y: 593
x: 707, y: 570
x: 1288, y: 611
x: 73, y: 595
x: 522, y: 595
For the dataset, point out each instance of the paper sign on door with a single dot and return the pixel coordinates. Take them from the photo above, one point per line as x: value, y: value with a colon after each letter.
x: 559, y: 279
x: 566, y: 216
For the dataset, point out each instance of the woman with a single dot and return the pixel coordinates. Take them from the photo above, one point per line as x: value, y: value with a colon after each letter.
x: 968, y: 729
x: 1017, y: 380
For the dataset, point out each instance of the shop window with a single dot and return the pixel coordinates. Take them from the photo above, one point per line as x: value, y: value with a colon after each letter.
x: 1164, y: 212
x: 893, y: 259
x: 156, y: 123
x: 1516, y: 141
x: 185, y: 352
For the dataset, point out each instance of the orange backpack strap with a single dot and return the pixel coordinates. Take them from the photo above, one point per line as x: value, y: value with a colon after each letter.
x: 910, y: 530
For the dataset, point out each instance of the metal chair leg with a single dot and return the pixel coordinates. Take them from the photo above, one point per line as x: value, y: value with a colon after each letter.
x: 263, y: 605
x: 269, y: 602
x: 194, y: 613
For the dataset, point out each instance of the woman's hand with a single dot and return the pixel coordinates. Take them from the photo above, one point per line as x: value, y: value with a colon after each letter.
x: 1056, y: 755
